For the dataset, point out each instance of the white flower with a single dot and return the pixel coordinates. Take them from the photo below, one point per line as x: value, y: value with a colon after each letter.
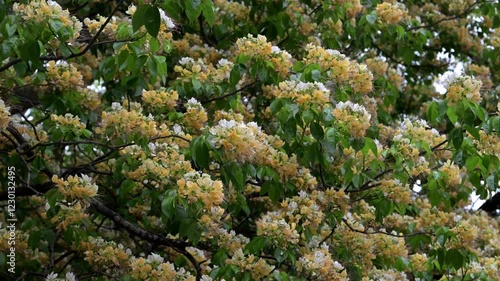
x: 224, y: 62
x: 155, y: 258
x: 177, y: 129
x: 131, y: 10
x: 55, y: 5
x: 70, y: 276
x: 321, y: 87
x: 338, y: 266
x: 275, y: 50
x: 51, y: 276
x: 227, y: 124
x: 186, y: 60
x: 115, y: 106
x: 85, y: 178
x: 193, y: 101
x: 168, y: 21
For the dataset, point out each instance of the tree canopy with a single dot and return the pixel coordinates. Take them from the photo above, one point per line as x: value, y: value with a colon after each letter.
x: 249, y: 140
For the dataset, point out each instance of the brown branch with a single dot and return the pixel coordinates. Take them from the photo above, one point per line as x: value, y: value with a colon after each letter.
x: 383, y: 232
x: 229, y: 94
x: 73, y: 55
x: 457, y: 16
x: 177, y: 245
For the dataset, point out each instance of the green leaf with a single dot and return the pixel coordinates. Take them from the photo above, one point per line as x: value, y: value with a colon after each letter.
x: 456, y: 137
x: 455, y: 258
x: 357, y: 144
x: 432, y: 113
x: 370, y: 145
x: 274, y: 193
x: 168, y: 204
x: 193, y: 9
x: 401, y: 264
x: 152, y: 21
x: 276, y: 105
x: 236, y: 175
x: 371, y: 18
x: 209, y: 12
x: 256, y: 245
x: 154, y: 44
x: 139, y: 17
x: 401, y: 32
x: 235, y: 75
x: 200, y: 153
x: 307, y: 116
x: 30, y: 51
x: 452, y: 114
x: 330, y: 135
x: 317, y: 131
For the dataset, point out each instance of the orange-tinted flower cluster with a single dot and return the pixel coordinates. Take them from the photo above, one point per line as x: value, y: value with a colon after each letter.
x: 464, y: 88
x: 341, y: 69
x: 306, y: 95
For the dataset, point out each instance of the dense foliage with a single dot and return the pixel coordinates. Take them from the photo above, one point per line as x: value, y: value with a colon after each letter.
x: 249, y: 140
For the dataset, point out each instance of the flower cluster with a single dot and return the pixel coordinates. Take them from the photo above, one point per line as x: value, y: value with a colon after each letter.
x: 155, y: 268
x: 71, y: 214
x: 303, y: 210
x: 191, y: 45
x: 256, y: 266
x: 319, y: 265
x: 306, y: 95
x: 4, y: 115
x: 105, y: 254
x: 481, y: 73
x: 69, y: 276
x: 488, y: 143
x: 458, y: 6
x: 78, y: 190
x: 352, y: 7
x: 163, y: 165
x: 419, y: 261
x: 418, y: 130
x: 395, y: 191
x: 277, y: 229
x: 88, y: 98
x: 195, y: 187
x: 237, y: 11
x: 76, y: 187
x: 188, y: 68
x: 352, y: 116
x: 386, y: 275
x: 340, y: 69
x: 464, y: 88
x: 195, y: 115
x: 222, y: 71
x: 122, y: 122
x: 246, y: 143
x: 68, y: 121
x: 451, y: 173
x: 64, y: 75
x: 495, y: 38
x: 160, y: 99
x: 260, y: 49
x: 391, y: 13
x: 41, y: 11
x: 93, y: 25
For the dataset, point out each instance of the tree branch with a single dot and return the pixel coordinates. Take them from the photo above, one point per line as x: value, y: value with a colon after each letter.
x: 177, y: 245
x: 73, y: 55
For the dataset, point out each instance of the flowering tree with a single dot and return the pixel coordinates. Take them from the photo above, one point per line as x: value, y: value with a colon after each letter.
x: 249, y: 140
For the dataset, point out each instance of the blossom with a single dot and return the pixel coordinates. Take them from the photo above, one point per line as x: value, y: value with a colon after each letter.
x: 4, y: 115
x: 353, y: 116
x: 464, y: 88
